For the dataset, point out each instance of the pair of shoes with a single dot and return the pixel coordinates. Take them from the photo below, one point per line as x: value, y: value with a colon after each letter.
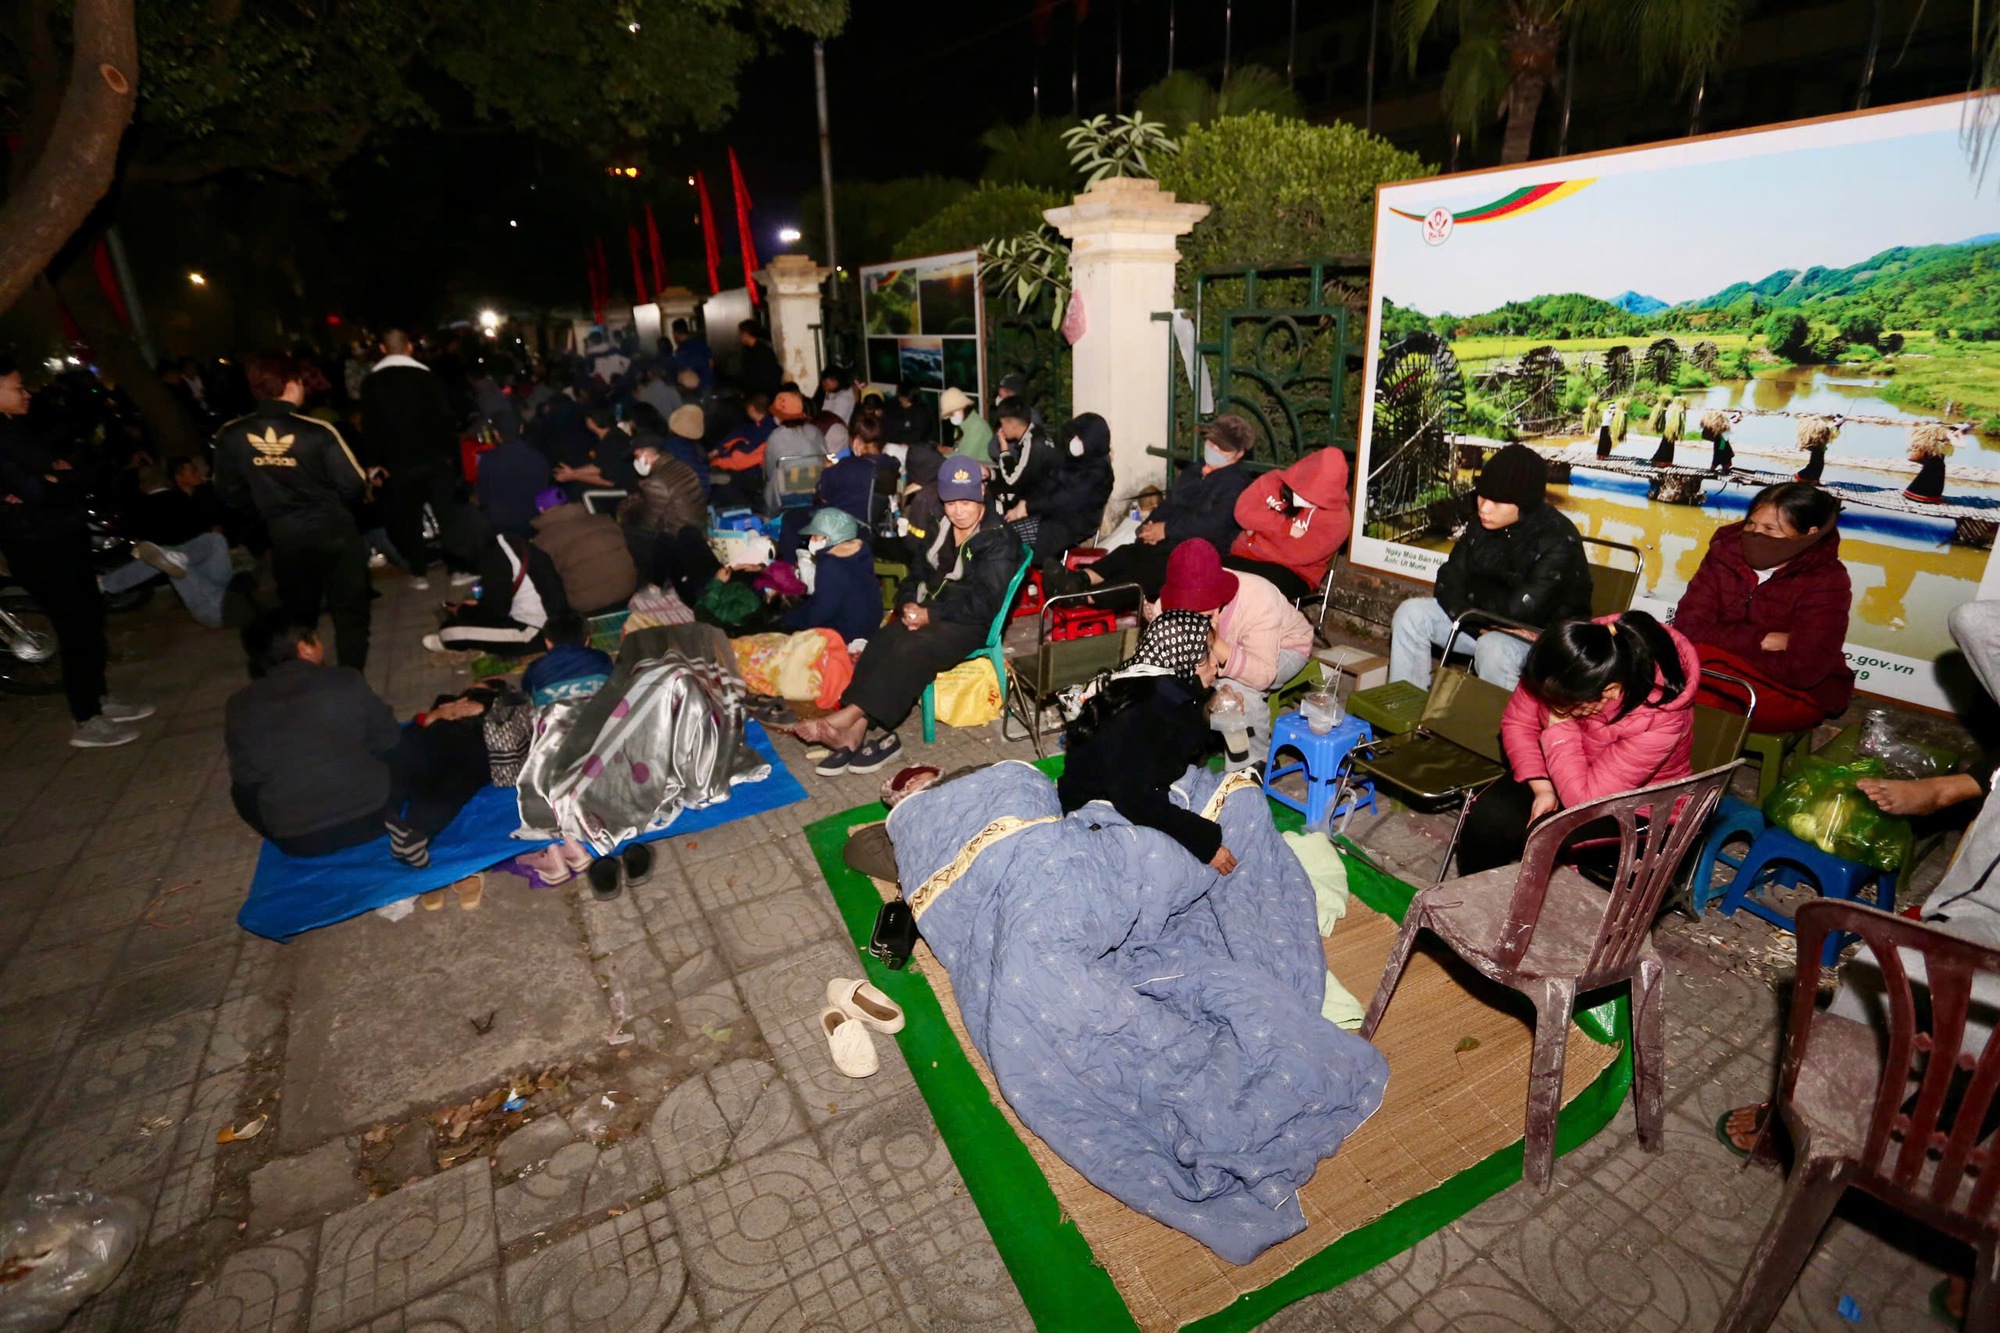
x: 101, y: 733
x: 866, y: 757
x: 420, y: 583
x: 408, y: 845
x: 122, y: 712
x: 557, y: 863
x: 852, y: 1008
x: 610, y: 874
x: 432, y: 643
x: 173, y: 564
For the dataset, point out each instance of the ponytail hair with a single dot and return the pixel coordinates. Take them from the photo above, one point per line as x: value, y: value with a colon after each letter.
x: 1574, y: 661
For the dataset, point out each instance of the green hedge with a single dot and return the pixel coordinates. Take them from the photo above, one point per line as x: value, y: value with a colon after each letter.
x: 977, y: 216
x: 1281, y: 189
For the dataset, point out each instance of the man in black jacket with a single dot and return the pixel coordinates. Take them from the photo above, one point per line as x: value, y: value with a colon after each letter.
x: 411, y: 434
x: 758, y: 372
x: 317, y: 762
x: 45, y: 536
x: 298, y: 476
x: 1520, y: 559
x: 1201, y: 504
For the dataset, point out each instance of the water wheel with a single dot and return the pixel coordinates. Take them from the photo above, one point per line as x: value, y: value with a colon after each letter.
x: 1617, y: 369
x: 1663, y: 358
x: 1706, y: 355
x: 1540, y: 386
x: 1419, y: 406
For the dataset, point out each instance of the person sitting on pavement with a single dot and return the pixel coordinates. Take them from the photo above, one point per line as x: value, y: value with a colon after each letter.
x: 318, y: 763
x: 507, y: 617
x: 1604, y: 706
x: 973, y: 438
x: 197, y: 562
x: 683, y: 437
x: 1138, y: 730
x: 1293, y: 522
x: 609, y: 467
x: 845, y: 597
x: 946, y: 607
x: 585, y: 552
x: 1769, y: 603
x: 864, y: 483
x: 1261, y: 641
x: 658, y: 390
x: 692, y: 355
x: 1014, y: 385
x: 794, y: 455
x: 1202, y: 504
x: 570, y: 668
x: 1520, y: 558
x: 665, y: 520
x: 740, y: 456
x: 908, y: 420
x: 511, y: 475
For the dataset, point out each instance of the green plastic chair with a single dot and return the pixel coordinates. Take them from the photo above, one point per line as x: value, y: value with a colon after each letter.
x: 992, y: 650
x: 1774, y: 751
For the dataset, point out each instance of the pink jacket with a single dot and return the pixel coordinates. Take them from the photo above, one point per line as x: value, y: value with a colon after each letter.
x: 1255, y: 627
x: 1596, y: 757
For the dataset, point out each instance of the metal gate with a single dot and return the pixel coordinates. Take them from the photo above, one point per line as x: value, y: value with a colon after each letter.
x: 1273, y: 344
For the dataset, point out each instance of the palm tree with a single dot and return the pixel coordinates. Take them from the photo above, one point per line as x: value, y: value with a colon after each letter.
x: 1508, y: 50
x: 1184, y: 98
x: 1031, y: 153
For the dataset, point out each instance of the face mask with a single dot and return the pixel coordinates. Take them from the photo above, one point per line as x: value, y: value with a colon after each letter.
x: 1215, y: 457
x: 956, y: 418
x: 816, y: 544
x: 1762, y: 552
x: 642, y: 465
x: 1075, y: 447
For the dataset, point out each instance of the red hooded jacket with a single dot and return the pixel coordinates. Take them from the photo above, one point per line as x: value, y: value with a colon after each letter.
x: 1586, y: 758
x: 1808, y: 597
x: 1319, y: 478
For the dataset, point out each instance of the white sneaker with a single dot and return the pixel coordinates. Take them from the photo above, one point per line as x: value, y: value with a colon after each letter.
x: 859, y: 999
x: 853, y: 1049
x: 101, y: 733
x: 420, y: 583
x: 124, y: 712
x: 464, y: 579
x: 173, y: 564
x: 434, y: 644
x: 378, y: 561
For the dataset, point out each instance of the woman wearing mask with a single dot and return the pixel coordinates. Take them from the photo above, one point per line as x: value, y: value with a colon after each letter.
x: 1770, y: 602
x: 1140, y: 727
x: 845, y: 597
x: 975, y: 437
x: 1293, y: 523
x: 1068, y: 502
x: 1604, y: 706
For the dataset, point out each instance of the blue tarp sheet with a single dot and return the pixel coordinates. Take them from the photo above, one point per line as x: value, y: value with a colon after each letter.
x: 292, y: 894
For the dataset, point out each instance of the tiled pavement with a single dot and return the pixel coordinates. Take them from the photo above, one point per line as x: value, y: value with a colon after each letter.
x: 750, y: 1187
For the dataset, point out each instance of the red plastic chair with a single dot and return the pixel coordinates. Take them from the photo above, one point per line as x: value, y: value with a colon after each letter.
x: 1555, y: 934
x: 1900, y: 1115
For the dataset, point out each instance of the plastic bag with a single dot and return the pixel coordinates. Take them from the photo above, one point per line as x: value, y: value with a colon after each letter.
x: 968, y: 695
x: 56, y: 1252
x: 1820, y: 804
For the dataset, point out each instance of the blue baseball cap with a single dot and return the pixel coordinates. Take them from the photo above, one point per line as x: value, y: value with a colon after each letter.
x: 961, y: 479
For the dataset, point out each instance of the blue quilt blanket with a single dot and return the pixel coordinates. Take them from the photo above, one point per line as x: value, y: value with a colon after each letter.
x: 1157, y: 1024
x: 291, y: 894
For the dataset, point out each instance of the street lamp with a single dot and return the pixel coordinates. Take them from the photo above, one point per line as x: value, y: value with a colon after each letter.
x: 489, y: 320
x: 789, y: 235
x: 197, y: 280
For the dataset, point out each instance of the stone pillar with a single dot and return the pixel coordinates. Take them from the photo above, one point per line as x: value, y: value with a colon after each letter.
x: 791, y: 295
x: 677, y: 303
x: 1122, y: 256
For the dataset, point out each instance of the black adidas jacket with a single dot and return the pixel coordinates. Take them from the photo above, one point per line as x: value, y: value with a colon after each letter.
x: 290, y: 470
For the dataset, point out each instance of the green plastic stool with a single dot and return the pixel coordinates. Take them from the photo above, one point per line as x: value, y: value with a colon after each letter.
x: 1773, y: 751
x: 890, y: 574
x: 1391, y: 709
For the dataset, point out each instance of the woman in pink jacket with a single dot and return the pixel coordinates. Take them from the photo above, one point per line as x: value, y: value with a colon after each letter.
x: 1604, y: 706
x: 1293, y: 522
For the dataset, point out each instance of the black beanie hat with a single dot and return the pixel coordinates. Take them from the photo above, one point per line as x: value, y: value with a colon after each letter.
x: 1517, y: 475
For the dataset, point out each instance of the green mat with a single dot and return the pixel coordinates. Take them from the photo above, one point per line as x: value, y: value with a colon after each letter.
x: 1047, y: 1256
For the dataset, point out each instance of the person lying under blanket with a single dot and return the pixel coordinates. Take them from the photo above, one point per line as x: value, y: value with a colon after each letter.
x: 1156, y: 1023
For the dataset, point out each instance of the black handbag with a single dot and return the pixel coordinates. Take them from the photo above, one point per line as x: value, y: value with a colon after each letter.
x: 895, y: 936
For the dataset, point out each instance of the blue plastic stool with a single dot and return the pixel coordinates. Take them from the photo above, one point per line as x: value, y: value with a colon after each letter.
x: 1324, y: 762
x: 1732, y: 818
x: 1775, y: 852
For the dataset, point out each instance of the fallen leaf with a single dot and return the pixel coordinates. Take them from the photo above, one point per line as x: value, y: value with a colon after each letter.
x: 251, y: 1129
x: 1466, y: 1044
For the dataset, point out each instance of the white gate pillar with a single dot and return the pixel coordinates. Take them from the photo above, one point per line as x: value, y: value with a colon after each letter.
x: 791, y: 291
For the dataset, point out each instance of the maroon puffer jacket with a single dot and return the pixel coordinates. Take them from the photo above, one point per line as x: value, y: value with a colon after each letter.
x: 1808, y: 598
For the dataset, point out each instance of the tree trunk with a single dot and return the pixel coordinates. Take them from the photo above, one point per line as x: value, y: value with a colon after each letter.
x: 1524, y: 99
x: 120, y: 358
x: 1533, y: 43
x: 77, y: 163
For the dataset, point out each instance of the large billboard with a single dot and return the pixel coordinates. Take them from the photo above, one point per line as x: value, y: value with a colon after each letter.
x: 923, y: 319
x: 1834, y: 280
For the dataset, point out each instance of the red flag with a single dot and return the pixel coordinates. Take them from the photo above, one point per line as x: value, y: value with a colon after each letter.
x: 713, y: 251
x: 638, y: 278
x: 743, y: 207
x: 653, y: 245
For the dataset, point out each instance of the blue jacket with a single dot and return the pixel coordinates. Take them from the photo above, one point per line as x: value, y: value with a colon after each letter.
x: 510, y: 477
x: 845, y: 597
x: 567, y: 671
x: 857, y: 484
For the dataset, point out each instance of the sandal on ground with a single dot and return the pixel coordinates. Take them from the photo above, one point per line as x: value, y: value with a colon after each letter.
x: 1763, y: 1110
x: 607, y: 877
x: 470, y: 890
x: 433, y: 900
x: 545, y: 868
x: 638, y: 863
x: 853, y: 1049
x: 860, y: 1000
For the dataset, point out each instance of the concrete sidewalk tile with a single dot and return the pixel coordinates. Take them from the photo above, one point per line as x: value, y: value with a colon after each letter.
x: 949, y: 1274
x: 113, y: 1148
x: 190, y: 984
x: 470, y: 1306
x: 188, y: 1194
x: 545, y: 1197
x: 391, y: 1250
x: 258, y: 1290
x: 37, y: 1029
x: 137, y: 1064
x: 81, y: 962
x: 244, y: 1027
x: 755, y: 871
x: 891, y: 1163
x: 621, y: 1275
x: 766, y: 928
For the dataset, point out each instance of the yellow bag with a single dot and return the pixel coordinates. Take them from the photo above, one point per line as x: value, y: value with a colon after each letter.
x: 968, y: 695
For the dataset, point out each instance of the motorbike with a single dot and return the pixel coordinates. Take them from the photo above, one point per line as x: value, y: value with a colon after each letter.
x: 30, y: 660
